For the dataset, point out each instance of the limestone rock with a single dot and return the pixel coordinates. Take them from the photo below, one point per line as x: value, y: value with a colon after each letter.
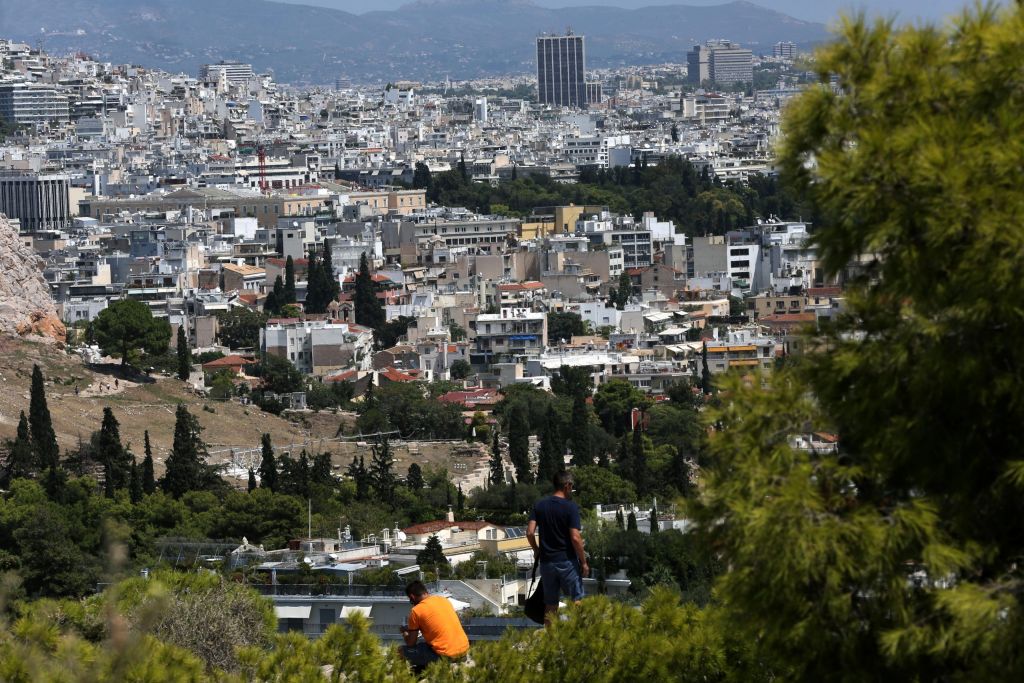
x: 26, y: 307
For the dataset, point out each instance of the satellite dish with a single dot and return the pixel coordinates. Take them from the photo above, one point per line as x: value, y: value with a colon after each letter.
x: 401, y: 536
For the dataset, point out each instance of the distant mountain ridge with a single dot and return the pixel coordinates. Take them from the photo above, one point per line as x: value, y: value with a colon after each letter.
x: 424, y: 40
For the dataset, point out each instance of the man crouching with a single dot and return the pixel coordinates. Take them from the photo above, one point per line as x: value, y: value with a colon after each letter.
x: 435, y: 618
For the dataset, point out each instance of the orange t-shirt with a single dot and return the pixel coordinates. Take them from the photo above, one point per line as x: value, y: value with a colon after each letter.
x: 436, y: 619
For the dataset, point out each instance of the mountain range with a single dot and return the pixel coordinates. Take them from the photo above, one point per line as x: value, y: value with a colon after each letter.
x: 424, y: 40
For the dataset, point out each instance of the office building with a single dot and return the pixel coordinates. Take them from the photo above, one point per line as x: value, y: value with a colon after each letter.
x: 40, y: 202
x: 784, y: 50
x: 720, y: 62
x: 33, y: 104
x: 561, y: 71
x: 595, y: 95
x: 234, y: 72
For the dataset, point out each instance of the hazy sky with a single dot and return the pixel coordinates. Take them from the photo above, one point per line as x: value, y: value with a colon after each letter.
x: 811, y: 10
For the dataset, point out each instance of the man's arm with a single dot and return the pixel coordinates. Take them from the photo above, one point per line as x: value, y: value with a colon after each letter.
x: 577, y: 544
x: 531, y: 535
x: 410, y: 635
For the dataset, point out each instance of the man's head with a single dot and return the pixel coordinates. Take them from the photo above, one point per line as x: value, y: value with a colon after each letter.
x: 563, y: 482
x: 416, y: 591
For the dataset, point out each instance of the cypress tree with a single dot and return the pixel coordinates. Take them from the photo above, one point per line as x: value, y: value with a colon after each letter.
x: 640, y: 471
x: 275, y: 298
x: 135, y: 482
x: 496, y: 477
x: 705, y: 373
x: 268, y: 467
x: 112, y: 455
x: 414, y: 478
x: 315, y: 294
x: 432, y: 556
x: 551, y: 458
x: 463, y: 169
x: 289, y: 282
x: 20, y: 462
x: 654, y: 519
x: 320, y: 473
x: 382, y: 473
x: 369, y: 312
x: 620, y: 522
x: 252, y: 480
x: 582, y: 449
x: 148, y: 479
x: 460, y: 500
x: 184, y: 355
x: 331, y: 285
x: 44, y: 440
x: 519, y: 443
x: 186, y: 467
x: 631, y: 522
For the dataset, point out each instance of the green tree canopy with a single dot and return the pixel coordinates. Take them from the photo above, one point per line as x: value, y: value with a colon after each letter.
x: 239, y: 327
x: 897, y: 555
x: 126, y: 326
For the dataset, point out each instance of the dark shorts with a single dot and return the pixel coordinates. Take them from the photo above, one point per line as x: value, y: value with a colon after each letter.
x: 561, y: 576
x: 420, y: 655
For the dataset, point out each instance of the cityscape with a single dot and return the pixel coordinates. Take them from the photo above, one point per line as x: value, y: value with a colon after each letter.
x: 303, y: 346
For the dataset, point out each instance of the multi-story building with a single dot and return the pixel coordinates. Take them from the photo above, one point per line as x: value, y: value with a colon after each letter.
x: 705, y: 109
x: 721, y: 62
x: 318, y: 347
x: 561, y: 71
x: 33, y: 104
x: 784, y: 49
x: 513, y: 332
x: 741, y: 349
x: 40, y: 202
x: 234, y: 72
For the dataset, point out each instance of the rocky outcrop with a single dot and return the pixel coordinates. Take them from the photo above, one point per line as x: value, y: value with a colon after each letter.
x: 26, y: 307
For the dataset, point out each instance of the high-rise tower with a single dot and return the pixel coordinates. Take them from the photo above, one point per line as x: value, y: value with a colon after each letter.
x: 561, y: 71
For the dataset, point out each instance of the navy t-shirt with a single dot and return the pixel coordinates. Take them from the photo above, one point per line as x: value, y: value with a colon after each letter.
x: 555, y: 516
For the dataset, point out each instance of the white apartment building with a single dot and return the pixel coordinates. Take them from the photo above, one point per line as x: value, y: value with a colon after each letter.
x: 318, y: 347
x: 515, y: 332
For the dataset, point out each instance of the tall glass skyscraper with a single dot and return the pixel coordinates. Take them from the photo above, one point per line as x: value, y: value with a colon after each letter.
x: 561, y: 71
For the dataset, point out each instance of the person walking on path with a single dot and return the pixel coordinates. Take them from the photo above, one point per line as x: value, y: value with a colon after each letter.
x: 563, y: 564
x: 435, y: 618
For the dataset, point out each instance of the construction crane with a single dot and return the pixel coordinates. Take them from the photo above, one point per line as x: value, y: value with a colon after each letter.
x: 261, y: 153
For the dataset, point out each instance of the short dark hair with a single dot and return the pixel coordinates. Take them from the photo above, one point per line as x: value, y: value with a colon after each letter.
x: 562, y: 479
x: 416, y: 589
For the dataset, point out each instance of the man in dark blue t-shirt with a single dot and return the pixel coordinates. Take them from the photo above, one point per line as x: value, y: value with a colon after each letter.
x: 563, y: 563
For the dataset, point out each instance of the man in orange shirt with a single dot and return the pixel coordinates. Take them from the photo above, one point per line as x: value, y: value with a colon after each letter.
x: 435, y: 617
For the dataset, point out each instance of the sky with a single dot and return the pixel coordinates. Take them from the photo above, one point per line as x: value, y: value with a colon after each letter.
x: 809, y: 10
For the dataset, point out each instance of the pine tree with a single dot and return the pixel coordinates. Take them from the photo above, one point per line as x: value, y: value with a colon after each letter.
x: 252, y: 480
x: 551, y: 459
x: 288, y: 293
x: 382, y: 472
x: 184, y: 355
x: 582, y: 448
x: 20, y: 462
x: 44, y: 440
x: 148, y: 477
x: 432, y: 556
x: 519, y: 443
x: 705, y: 373
x: 186, y: 468
x: 414, y: 478
x: 135, y: 491
x: 268, y: 467
x: 496, y: 476
x: 112, y: 455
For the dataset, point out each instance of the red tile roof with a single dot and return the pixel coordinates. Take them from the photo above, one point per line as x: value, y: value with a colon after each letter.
x: 394, y: 375
x: 471, y: 398
x: 232, y: 361
x: 342, y: 377
x: 441, y: 524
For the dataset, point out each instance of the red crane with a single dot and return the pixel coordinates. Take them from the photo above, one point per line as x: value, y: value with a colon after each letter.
x: 261, y: 153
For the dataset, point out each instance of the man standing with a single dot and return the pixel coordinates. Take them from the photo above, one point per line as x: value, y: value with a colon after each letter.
x: 435, y: 617
x: 563, y: 563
